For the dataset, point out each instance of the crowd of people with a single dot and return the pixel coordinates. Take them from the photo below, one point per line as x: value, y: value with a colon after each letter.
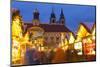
x: 34, y: 57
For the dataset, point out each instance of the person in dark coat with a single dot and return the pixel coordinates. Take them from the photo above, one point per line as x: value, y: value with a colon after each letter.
x: 42, y: 57
x: 28, y: 56
x: 50, y: 55
x: 71, y: 55
x: 35, y: 56
x: 31, y: 56
x: 59, y: 56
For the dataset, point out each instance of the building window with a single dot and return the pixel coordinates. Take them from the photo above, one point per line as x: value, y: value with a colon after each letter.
x: 57, y: 38
x: 52, y: 38
x: 53, y: 21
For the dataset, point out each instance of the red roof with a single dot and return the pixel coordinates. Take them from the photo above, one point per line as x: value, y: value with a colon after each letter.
x: 50, y: 27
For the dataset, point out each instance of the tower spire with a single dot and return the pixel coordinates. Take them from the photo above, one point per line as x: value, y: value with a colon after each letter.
x: 36, y: 20
x: 62, y: 18
x: 36, y: 14
x: 52, y: 17
x: 62, y: 14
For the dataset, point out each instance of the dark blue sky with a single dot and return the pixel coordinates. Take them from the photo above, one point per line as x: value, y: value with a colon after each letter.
x: 74, y: 14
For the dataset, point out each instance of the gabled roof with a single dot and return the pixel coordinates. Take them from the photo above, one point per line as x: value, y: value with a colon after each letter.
x: 93, y: 30
x: 89, y: 25
x: 70, y: 34
x: 82, y: 32
x: 71, y: 37
x: 85, y: 27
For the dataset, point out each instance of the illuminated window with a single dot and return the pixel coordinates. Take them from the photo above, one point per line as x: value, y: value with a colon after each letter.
x: 78, y: 47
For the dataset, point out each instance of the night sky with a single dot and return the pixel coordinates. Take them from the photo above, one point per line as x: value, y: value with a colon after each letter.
x: 74, y: 14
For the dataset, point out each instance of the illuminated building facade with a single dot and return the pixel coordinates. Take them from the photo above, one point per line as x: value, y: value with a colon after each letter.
x: 36, y: 34
x: 51, y: 32
x: 42, y: 37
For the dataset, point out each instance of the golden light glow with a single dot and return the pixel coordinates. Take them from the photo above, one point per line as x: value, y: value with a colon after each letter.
x: 82, y: 32
x: 20, y: 41
x: 15, y: 51
x: 66, y: 41
x: 89, y: 40
x: 94, y: 30
x: 78, y: 46
x: 16, y: 38
x: 26, y: 37
x: 93, y: 37
x: 16, y: 28
x: 72, y: 38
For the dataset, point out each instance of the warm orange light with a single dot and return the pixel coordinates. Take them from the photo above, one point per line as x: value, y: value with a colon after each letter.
x: 71, y: 39
x: 82, y: 32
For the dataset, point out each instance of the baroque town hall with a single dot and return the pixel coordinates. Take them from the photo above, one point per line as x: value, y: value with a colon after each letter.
x: 52, y: 34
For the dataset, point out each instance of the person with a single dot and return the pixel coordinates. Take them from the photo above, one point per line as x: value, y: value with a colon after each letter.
x: 35, y: 56
x: 59, y: 56
x: 31, y: 56
x: 42, y: 57
x: 50, y: 55
x: 28, y: 56
x: 71, y: 55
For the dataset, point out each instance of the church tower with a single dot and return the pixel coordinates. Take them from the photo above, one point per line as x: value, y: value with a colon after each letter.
x: 36, y: 20
x: 52, y: 17
x: 62, y: 18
